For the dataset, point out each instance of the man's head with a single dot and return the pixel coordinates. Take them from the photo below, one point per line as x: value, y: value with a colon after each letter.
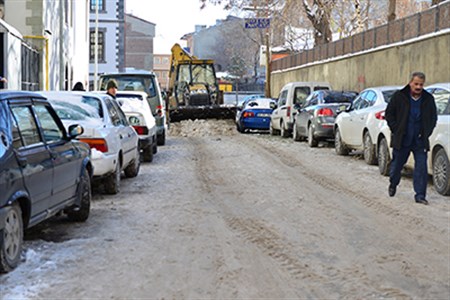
x: 416, y: 83
x: 111, y: 87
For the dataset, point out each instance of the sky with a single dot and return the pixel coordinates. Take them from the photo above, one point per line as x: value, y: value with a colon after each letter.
x: 173, y: 18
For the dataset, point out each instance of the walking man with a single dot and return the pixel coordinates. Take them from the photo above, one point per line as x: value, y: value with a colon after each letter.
x: 411, y: 116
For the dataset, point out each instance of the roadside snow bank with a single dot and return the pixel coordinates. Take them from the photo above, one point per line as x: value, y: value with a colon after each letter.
x: 200, y: 128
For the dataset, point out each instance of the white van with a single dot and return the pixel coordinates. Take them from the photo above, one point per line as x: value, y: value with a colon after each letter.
x: 293, y: 93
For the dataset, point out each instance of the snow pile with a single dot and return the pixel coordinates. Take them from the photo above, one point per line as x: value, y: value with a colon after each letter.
x: 201, y: 128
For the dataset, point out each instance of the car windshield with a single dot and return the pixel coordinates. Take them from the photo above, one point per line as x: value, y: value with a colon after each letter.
x: 339, y: 97
x: 140, y: 83
x: 130, y: 96
x: 387, y: 95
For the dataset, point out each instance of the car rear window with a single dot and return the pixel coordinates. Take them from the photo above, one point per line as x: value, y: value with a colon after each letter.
x: 339, y: 97
x: 387, y: 95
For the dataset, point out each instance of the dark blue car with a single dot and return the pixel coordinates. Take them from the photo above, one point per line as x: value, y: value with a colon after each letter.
x: 254, y: 114
x: 43, y: 170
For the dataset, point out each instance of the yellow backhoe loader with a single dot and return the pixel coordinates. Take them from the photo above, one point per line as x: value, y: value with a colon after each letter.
x: 193, y: 89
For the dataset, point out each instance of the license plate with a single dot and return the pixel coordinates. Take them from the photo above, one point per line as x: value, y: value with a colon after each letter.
x: 263, y: 115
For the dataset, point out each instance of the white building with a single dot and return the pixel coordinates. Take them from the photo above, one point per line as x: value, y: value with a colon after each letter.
x: 53, y: 26
x: 111, y: 37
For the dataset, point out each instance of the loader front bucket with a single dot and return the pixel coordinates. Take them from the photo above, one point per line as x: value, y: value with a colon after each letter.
x: 201, y: 112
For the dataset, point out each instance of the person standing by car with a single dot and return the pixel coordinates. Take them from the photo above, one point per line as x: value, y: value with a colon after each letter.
x: 111, y: 88
x: 411, y: 117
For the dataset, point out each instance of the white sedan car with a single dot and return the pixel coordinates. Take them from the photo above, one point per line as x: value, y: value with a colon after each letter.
x: 357, y: 128
x: 139, y: 115
x: 438, y: 157
x: 113, y: 142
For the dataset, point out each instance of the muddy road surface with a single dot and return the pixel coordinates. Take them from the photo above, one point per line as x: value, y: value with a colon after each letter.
x: 225, y: 215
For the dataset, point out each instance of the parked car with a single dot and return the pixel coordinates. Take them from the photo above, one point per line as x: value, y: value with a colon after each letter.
x: 357, y: 128
x: 43, y: 170
x: 142, y: 81
x: 254, y: 114
x: 315, y: 119
x: 139, y: 115
x: 292, y: 94
x: 438, y: 157
x: 113, y: 142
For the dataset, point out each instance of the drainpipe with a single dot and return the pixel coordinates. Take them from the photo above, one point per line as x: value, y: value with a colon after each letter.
x: 41, y: 37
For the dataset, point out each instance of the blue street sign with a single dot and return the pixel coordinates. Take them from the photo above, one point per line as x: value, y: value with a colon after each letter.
x: 257, y: 23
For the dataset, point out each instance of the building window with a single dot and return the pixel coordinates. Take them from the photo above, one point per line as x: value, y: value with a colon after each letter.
x: 101, y: 5
x: 165, y: 60
x: 101, y: 46
x: 157, y: 60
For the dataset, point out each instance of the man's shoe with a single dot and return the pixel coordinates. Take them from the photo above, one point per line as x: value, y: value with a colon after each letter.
x: 392, y: 189
x: 422, y: 201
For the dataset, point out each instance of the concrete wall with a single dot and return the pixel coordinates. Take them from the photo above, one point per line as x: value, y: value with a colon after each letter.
x: 383, y: 66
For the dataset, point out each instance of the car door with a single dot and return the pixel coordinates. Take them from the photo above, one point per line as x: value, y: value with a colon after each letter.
x: 124, y: 131
x: 65, y: 157
x: 33, y: 157
x: 360, y: 117
x: 346, y: 120
x: 278, y: 113
x: 306, y: 113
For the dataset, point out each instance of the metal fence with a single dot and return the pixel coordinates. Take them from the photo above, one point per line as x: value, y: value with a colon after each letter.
x: 30, y: 68
x: 426, y: 22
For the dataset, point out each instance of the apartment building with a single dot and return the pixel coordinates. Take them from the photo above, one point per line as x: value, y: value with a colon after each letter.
x: 139, y: 35
x: 109, y: 21
x: 161, y: 67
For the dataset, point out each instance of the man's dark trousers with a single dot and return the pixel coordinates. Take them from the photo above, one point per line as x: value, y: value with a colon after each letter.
x: 400, y: 157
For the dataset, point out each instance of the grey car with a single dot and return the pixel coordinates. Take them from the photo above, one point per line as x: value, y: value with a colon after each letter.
x: 315, y: 119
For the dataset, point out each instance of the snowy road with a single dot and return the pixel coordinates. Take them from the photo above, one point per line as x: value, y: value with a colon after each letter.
x: 227, y: 215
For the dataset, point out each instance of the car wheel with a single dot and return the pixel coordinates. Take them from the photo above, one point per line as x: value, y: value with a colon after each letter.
x: 147, y: 154
x: 384, y: 158
x: 112, y: 182
x: 283, y: 131
x: 81, y: 213
x: 369, y: 150
x: 161, y: 139
x: 132, y: 170
x: 238, y: 128
x: 11, y: 239
x: 441, y: 173
x: 312, y: 142
x: 339, y: 146
x: 155, y: 147
x: 295, y: 134
x: 272, y: 130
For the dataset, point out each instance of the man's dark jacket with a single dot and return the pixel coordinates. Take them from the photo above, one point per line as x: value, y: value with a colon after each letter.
x: 397, y: 113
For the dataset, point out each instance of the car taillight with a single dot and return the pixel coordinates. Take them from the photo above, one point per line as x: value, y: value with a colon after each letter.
x: 325, y: 112
x: 288, y: 111
x: 141, y: 129
x: 99, y: 144
x: 248, y: 114
x: 380, y: 115
x: 159, y: 110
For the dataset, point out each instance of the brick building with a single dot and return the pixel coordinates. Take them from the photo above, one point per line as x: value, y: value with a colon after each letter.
x: 139, y: 35
x: 161, y: 63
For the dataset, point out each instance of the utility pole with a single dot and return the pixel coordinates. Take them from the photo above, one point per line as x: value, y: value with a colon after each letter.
x: 96, y: 48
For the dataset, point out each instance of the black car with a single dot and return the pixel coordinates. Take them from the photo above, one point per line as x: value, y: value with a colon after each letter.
x: 43, y: 170
x: 315, y: 119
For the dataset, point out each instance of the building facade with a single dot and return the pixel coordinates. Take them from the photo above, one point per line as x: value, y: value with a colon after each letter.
x: 50, y: 26
x: 139, y: 35
x: 161, y: 68
x: 109, y: 55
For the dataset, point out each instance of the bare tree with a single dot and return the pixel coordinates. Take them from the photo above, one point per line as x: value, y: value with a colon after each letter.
x: 391, y: 12
x: 319, y: 14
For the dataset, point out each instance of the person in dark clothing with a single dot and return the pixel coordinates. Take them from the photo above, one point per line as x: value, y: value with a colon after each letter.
x: 78, y: 87
x: 411, y: 116
x: 111, y: 88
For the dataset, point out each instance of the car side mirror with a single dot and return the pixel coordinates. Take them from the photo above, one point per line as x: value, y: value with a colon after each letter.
x: 75, y: 130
